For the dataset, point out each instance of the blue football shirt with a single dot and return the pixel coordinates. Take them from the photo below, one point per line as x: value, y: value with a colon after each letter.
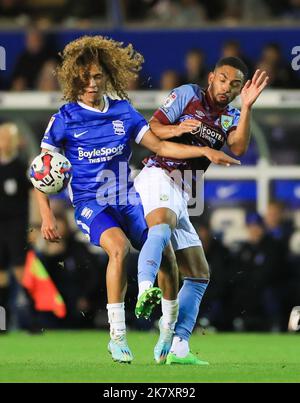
x: 97, y: 143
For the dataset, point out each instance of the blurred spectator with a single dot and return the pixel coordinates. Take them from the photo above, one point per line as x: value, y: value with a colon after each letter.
x: 14, y: 203
x: 137, y: 10
x: 12, y: 8
x: 84, y: 13
x: 31, y: 61
x: 276, y: 224
x: 213, y: 312
x: 245, y: 10
x: 47, y: 80
x: 280, y: 73
x: 177, y: 13
x: 257, y: 280
x: 232, y: 48
x: 169, y: 79
x: 195, y: 69
x: 190, y: 12
x: 293, y: 10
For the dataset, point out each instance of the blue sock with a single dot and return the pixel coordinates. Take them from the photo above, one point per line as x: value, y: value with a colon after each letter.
x: 151, y: 253
x: 189, y: 297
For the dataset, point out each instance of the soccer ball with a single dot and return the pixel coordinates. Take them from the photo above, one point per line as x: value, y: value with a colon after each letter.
x: 50, y: 172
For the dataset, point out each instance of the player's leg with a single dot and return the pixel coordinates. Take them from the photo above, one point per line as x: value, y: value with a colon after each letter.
x: 157, y: 194
x: 160, y: 223
x: 168, y: 283
x: 105, y: 230
x: 194, y: 269
x: 138, y: 235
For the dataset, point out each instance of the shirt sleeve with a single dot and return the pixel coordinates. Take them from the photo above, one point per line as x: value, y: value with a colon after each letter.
x: 54, y: 134
x: 175, y: 104
x: 236, y: 119
x: 139, y: 125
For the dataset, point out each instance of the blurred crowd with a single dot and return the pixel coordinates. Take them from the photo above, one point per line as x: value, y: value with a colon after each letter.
x: 35, y: 67
x: 196, y: 70
x: 255, y: 276
x: 177, y: 13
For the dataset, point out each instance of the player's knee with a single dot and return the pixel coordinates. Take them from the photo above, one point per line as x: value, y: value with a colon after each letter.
x: 162, y: 232
x: 200, y: 271
x: 204, y: 271
x: 119, y: 250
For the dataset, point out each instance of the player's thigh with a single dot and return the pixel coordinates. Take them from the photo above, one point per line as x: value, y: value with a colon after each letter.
x: 161, y: 198
x: 93, y: 220
x: 192, y: 262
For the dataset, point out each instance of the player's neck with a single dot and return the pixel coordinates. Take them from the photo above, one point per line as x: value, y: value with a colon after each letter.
x: 97, y: 104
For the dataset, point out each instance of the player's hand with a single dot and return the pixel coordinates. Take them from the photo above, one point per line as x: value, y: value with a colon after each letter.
x: 253, y: 88
x: 186, y: 126
x: 49, y: 229
x: 220, y: 158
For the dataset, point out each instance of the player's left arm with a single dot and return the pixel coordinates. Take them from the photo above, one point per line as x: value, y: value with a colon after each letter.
x: 238, y: 140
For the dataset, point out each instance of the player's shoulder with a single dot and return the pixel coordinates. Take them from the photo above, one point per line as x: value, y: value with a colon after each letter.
x: 187, y: 90
x: 123, y: 106
x: 67, y: 111
x: 183, y: 95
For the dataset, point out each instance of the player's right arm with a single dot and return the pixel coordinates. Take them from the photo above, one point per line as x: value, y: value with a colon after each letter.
x: 49, y: 226
x: 52, y: 141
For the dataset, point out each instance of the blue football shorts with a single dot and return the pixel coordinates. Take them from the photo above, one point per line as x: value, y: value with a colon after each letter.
x: 92, y: 219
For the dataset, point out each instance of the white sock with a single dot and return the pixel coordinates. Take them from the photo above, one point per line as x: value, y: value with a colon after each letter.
x: 143, y: 286
x: 116, y: 319
x: 180, y: 347
x: 169, y: 312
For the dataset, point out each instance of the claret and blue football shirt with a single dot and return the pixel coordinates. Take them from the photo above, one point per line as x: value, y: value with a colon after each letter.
x: 191, y: 101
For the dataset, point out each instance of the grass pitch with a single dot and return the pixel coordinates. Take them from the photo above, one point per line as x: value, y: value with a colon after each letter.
x: 82, y: 356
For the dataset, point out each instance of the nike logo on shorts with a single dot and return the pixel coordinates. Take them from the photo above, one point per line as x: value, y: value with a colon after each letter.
x: 80, y: 134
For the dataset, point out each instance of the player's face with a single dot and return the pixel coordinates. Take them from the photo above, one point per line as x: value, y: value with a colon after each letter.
x: 95, y: 88
x: 225, y: 83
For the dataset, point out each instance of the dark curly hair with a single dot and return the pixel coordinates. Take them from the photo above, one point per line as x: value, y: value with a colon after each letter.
x: 120, y: 64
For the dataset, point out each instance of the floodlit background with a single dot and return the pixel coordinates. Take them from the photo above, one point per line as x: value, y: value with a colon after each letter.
x: 250, y: 228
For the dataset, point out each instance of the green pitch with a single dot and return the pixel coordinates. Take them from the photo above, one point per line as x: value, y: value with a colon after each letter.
x: 81, y: 356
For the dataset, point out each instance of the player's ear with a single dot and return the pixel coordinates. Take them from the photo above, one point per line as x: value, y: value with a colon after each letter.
x: 211, y: 77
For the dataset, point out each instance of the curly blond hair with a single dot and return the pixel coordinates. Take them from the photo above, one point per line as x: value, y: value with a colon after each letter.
x: 120, y: 64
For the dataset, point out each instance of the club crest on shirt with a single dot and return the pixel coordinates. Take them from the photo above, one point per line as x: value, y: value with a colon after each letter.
x: 226, y: 121
x: 118, y: 127
x: 164, y: 197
